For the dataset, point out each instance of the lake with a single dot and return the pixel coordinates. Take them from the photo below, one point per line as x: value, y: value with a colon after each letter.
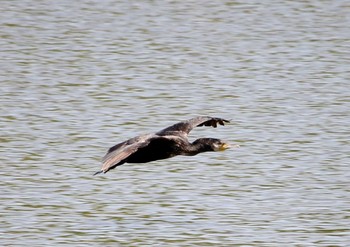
x: 81, y: 76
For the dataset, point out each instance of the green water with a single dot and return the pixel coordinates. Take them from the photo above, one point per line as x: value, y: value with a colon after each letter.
x: 79, y: 77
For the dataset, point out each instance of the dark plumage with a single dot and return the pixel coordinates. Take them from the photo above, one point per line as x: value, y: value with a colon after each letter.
x: 164, y: 144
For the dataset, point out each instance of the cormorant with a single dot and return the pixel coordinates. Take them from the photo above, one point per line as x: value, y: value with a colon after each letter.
x: 164, y: 144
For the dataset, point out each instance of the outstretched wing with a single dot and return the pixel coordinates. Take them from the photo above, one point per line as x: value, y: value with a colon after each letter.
x: 186, y: 126
x: 117, y: 154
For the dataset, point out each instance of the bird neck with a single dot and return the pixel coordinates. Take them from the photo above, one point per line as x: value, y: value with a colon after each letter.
x: 196, y: 147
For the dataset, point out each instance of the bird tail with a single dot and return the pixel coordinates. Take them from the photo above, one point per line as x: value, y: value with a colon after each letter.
x: 98, y: 172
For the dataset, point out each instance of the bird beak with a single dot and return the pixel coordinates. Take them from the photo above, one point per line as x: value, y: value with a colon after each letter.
x: 224, y: 146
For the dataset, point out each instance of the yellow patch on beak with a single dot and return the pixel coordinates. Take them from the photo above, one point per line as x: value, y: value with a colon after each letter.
x: 224, y: 146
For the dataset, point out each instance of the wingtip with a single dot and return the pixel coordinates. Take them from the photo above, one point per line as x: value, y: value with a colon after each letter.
x: 221, y: 121
x: 98, y: 172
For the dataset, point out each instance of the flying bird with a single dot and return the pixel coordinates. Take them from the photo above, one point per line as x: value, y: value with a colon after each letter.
x: 167, y: 143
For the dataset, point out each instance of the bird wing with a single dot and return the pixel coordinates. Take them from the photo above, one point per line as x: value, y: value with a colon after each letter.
x: 121, y: 151
x: 186, y: 126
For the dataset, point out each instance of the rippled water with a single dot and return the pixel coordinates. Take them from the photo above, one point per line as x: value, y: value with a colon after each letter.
x: 80, y: 76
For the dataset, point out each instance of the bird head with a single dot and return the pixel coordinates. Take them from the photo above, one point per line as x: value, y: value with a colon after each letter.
x: 219, y: 145
x: 212, y: 144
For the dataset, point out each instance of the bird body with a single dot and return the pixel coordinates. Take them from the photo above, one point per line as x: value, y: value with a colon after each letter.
x: 167, y: 143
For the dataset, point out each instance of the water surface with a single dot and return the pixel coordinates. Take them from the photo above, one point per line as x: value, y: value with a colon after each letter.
x: 79, y: 77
